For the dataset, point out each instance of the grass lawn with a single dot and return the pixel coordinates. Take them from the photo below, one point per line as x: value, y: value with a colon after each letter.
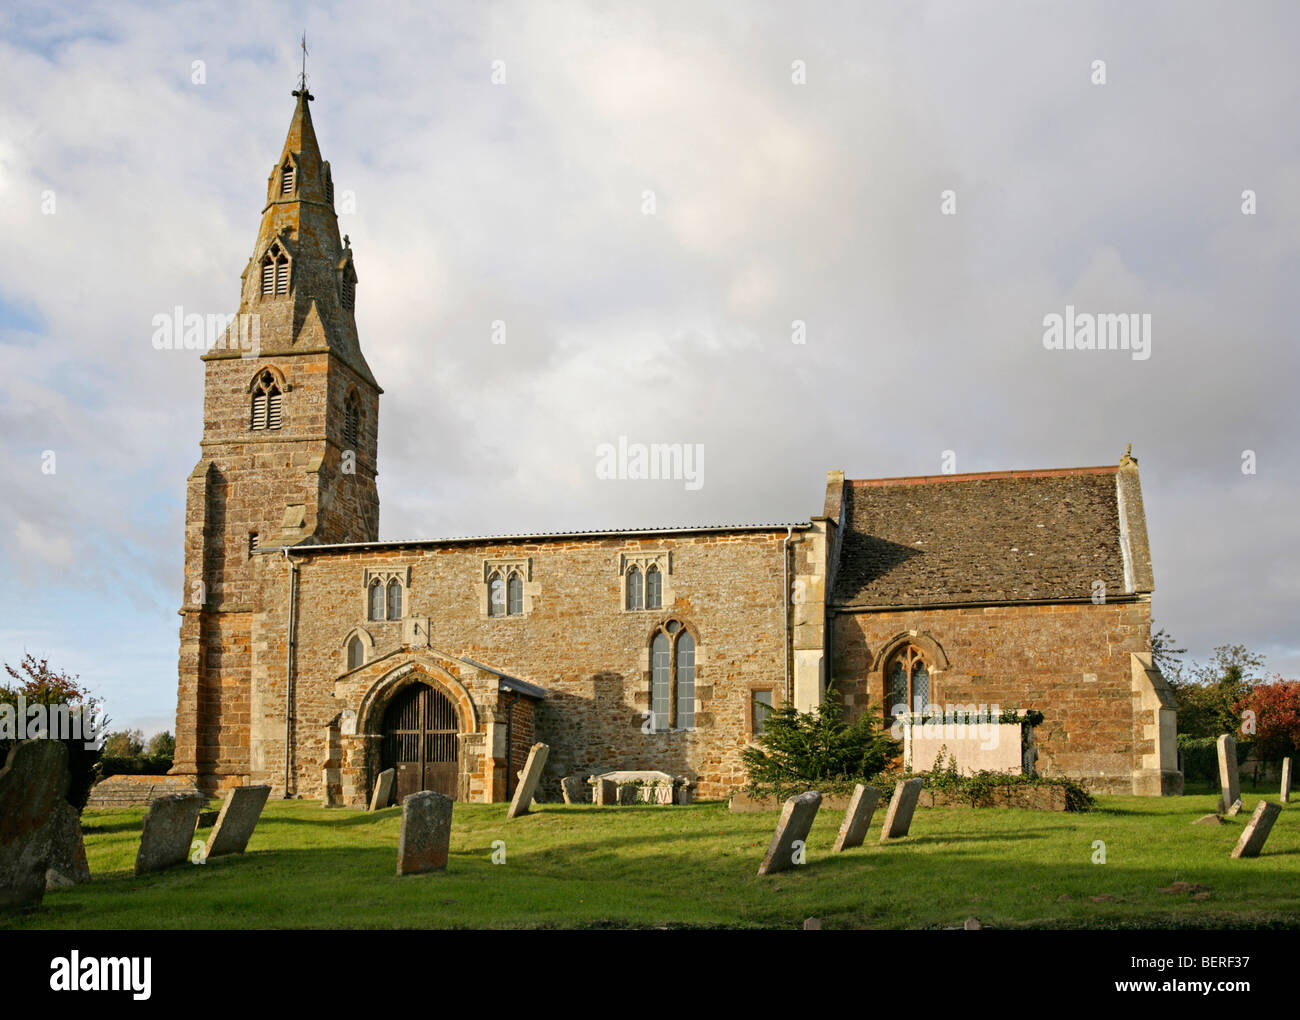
x: 580, y: 866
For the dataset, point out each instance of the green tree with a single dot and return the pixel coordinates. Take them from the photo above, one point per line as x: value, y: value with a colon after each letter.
x: 162, y: 745
x: 1168, y: 658
x: 1208, y: 694
x: 39, y: 683
x: 802, y: 749
x: 124, y: 744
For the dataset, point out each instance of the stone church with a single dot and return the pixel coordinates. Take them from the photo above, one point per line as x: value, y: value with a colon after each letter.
x: 313, y: 655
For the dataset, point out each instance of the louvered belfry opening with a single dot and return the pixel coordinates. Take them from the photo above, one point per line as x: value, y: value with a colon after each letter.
x: 275, y: 272
x: 286, y: 178
x: 351, y: 420
x: 420, y: 728
x: 266, y: 403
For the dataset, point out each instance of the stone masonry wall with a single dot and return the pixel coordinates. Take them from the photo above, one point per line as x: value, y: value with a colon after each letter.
x: 577, y: 642
x: 1071, y: 662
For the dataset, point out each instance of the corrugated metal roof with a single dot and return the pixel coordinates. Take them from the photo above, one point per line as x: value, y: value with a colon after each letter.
x: 545, y: 535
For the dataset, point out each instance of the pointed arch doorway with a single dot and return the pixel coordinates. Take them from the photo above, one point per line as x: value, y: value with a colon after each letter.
x: 420, y: 741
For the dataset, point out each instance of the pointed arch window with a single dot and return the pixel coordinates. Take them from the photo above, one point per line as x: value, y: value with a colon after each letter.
x: 515, y: 595
x: 275, y: 272
x: 908, y: 677
x: 654, y: 588
x: 287, y: 177
x: 685, y: 682
x: 635, y: 592
x: 376, y: 600
x: 496, y: 595
x: 356, y: 653
x: 266, y: 410
x: 672, y: 678
x: 394, y: 599
x: 351, y: 420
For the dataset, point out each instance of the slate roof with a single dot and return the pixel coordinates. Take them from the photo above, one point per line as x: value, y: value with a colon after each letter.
x: 1013, y: 536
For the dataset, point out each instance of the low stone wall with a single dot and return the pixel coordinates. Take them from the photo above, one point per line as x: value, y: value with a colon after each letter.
x: 1032, y: 798
x: 136, y: 791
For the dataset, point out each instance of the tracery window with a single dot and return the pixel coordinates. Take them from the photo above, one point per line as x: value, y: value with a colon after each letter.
x: 672, y: 678
x: 908, y: 679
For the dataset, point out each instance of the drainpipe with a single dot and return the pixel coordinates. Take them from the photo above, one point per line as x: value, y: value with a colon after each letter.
x: 785, y: 605
x: 510, y: 743
x: 288, y: 664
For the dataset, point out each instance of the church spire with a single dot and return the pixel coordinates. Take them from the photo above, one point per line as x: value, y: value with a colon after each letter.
x: 300, y: 280
x: 302, y: 135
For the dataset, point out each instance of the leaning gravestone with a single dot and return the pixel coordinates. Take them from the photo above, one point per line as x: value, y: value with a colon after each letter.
x: 605, y: 791
x: 426, y: 833
x: 898, y: 819
x: 575, y: 790
x: 857, y: 819
x: 528, y: 780
x: 1286, y: 780
x: 67, y: 864
x: 796, y: 819
x: 168, y: 829
x: 383, y: 789
x: 33, y: 783
x: 238, y: 818
x: 1229, y: 782
x: 1257, y: 830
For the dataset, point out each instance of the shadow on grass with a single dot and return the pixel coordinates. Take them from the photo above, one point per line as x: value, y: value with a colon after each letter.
x: 337, y: 818
x: 105, y: 826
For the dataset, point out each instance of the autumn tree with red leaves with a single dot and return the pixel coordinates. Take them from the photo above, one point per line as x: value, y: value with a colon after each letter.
x: 1276, y: 707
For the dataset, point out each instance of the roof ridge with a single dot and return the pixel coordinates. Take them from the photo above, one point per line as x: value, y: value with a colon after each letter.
x: 1104, y: 469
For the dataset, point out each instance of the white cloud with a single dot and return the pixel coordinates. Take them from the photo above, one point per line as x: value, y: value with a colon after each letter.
x: 522, y: 202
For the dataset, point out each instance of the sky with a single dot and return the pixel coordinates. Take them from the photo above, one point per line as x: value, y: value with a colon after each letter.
x: 806, y: 236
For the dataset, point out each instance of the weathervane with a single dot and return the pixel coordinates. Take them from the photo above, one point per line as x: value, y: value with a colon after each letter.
x: 302, y: 78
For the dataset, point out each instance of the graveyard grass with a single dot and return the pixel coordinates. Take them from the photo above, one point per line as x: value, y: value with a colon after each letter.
x: 646, y: 866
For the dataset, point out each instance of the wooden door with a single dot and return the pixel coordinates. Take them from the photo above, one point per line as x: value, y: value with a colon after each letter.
x: 420, y: 743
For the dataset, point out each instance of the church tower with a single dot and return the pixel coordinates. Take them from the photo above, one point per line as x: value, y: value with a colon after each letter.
x: 290, y: 431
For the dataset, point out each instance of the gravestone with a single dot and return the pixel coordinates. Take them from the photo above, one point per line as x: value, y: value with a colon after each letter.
x: 33, y: 783
x: 1229, y: 782
x: 857, y: 819
x: 1257, y: 830
x: 605, y: 790
x: 168, y: 830
x: 1286, y: 780
x: 528, y: 780
x: 898, y: 819
x: 426, y: 833
x: 383, y: 789
x: 67, y: 864
x: 238, y: 818
x: 796, y: 819
x: 575, y: 790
